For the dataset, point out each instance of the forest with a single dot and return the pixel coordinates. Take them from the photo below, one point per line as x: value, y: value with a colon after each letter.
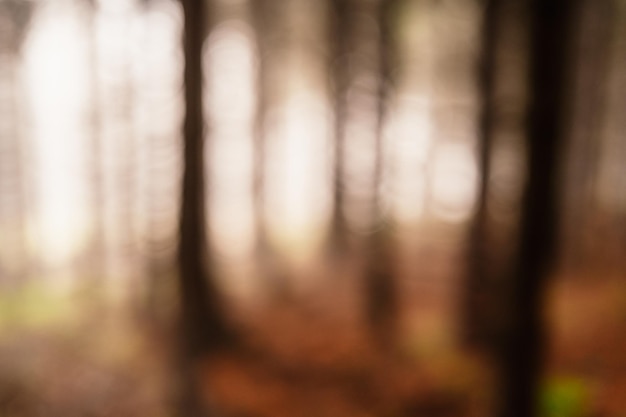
x: 313, y: 208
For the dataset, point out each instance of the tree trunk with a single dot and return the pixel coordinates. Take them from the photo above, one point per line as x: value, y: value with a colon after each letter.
x: 380, y: 285
x: 96, y: 256
x: 478, y: 288
x: 270, y: 268
x: 203, y: 324
x: 202, y: 316
x: 523, y: 340
x: 339, y: 30
x: 595, y: 35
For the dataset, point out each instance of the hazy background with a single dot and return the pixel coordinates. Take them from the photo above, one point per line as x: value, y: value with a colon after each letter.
x: 91, y: 114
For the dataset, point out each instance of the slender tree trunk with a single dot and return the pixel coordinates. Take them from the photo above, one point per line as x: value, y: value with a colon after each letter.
x: 96, y: 258
x: 610, y: 190
x: 340, y: 28
x: 478, y: 288
x: 274, y: 277
x: 594, y: 51
x: 523, y: 344
x: 260, y: 11
x: 203, y: 325
x: 202, y: 317
x: 381, y: 308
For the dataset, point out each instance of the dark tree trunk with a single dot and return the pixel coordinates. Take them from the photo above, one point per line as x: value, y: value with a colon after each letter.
x: 477, y: 305
x: 380, y: 285
x: 203, y: 324
x: 523, y: 344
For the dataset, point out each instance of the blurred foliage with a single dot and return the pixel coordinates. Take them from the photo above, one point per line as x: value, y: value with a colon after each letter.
x: 565, y: 397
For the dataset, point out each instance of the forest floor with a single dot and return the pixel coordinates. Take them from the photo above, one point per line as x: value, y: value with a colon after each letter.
x: 311, y: 358
x: 587, y: 356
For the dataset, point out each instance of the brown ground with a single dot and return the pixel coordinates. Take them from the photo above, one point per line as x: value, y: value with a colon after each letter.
x: 311, y: 359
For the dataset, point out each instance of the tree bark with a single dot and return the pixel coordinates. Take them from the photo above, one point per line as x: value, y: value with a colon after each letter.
x: 523, y: 342
x: 203, y: 324
x: 202, y: 316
